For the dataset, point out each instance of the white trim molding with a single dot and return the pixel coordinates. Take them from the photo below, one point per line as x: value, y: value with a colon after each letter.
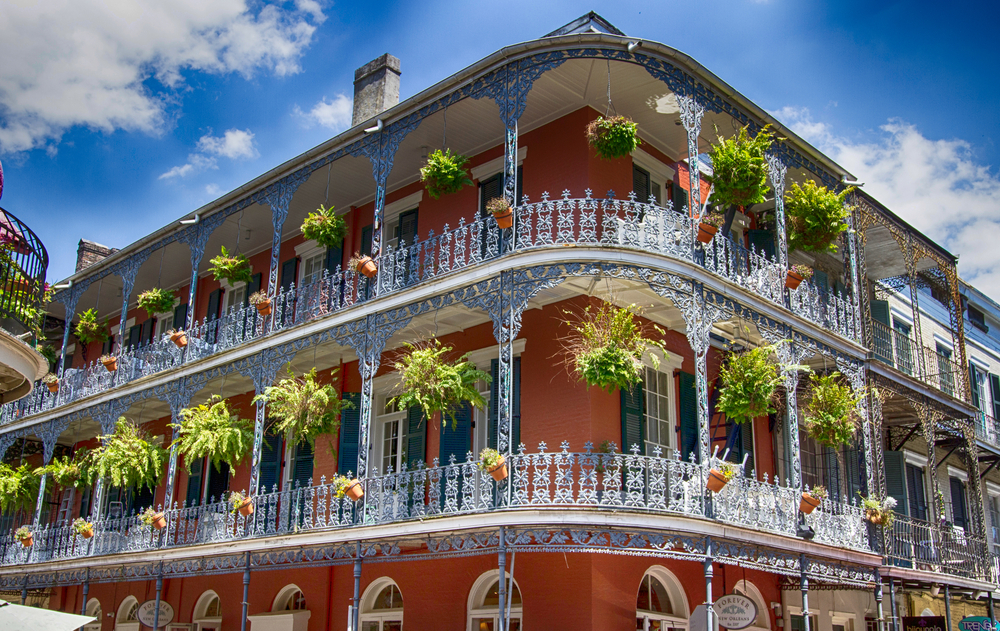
x: 955, y: 472
x: 393, y: 209
x: 494, y: 166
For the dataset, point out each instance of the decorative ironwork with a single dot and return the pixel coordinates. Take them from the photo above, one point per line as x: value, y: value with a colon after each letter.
x: 22, y: 273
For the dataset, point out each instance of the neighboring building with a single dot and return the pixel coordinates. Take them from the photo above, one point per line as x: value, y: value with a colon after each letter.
x: 585, y: 538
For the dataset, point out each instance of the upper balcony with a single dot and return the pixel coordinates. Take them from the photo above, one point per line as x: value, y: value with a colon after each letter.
x: 896, y: 348
x: 597, y: 227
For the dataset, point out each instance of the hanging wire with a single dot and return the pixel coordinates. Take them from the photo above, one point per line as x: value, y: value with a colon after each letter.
x: 611, y: 106
x: 444, y: 139
x: 239, y: 232
x: 328, y: 170
x: 159, y: 274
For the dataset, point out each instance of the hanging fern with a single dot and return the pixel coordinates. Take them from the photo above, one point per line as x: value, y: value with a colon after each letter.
x: 613, y: 137
x: 156, y: 300
x: 749, y: 380
x: 233, y: 268
x: 832, y: 414
x: 127, y: 458
x: 88, y: 329
x: 816, y: 216
x: 607, y: 344
x: 433, y: 383
x: 18, y: 488
x: 303, y: 408
x: 210, y: 429
x: 325, y: 227
x: 740, y: 169
x: 68, y: 472
x: 445, y: 173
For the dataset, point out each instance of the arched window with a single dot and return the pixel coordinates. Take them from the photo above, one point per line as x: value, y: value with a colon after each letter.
x: 484, y: 598
x: 660, y: 603
x: 207, y: 612
x: 93, y: 609
x: 290, y: 598
x: 382, y: 607
x: 763, y: 619
x: 127, y: 619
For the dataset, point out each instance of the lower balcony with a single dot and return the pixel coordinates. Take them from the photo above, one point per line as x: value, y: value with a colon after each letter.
x: 943, y: 549
x: 540, y: 481
x: 895, y: 348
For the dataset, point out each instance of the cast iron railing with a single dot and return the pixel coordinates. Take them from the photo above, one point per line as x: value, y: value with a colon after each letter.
x: 538, y: 481
x: 895, y: 348
x: 922, y: 545
x: 23, y: 261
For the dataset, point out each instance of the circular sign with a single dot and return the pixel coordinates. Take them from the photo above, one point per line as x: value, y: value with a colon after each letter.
x: 735, y: 611
x: 147, y: 611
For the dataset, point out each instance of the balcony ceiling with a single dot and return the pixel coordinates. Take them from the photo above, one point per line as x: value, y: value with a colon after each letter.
x: 884, y: 258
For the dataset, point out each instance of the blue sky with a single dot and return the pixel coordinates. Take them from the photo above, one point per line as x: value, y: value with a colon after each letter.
x: 115, y: 120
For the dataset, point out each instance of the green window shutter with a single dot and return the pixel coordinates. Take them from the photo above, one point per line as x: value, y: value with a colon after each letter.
x: 688, y: 399
x: 366, y: 240
x: 853, y: 459
x: 915, y: 491
x: 456, y: 441
x: 253, y: 287
x: 193, y: 496
x: 515, y: 430
x: 995, y: 396
x: 640, y: 184
x: 746, y: 446
x: 633, y: 418
x: 350, y: 433
x: 416, y: 437
x: 270, y: 462
x: 146, y: 332
x: 134, y: 336
x: 680, y: 196
x: 974, y: 385
x: 85, y: 502
x: 408, y: 227
x: 762, y: 241
x: 960, y: 515
x: 302, y: 469
x: 494, y: 414
x: 880, y: 311
x: 821, y: 281
x: 515, y: 438
x: 895, y: 479
x: 288, y: 271
x: 218, y: 482
x: 108, y: 346
x: 334, y: 258
x: 180, y: 316
x: 214, y: 304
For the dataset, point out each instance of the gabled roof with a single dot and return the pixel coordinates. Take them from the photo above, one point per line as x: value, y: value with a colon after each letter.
x: 590, y: 23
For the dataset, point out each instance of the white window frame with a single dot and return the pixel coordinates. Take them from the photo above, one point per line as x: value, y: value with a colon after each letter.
x: 94, y: 609
x: 391, y: 213
x: 483, y: 358
x: 478, y: 592
x: 161, y: 324
x: 668, y: 364
x: 488, y: 169
x: 228, y: 292
x: 367, y: 614
x: 199, y: 619
x: 955, y: 472
x: 659, y: 173
x: 678, y: 598
x: 305, y: 252
x: 121, y: 623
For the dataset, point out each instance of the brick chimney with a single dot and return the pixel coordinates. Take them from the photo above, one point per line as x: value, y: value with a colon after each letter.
x: 88, y: 253
x: 376, y: 88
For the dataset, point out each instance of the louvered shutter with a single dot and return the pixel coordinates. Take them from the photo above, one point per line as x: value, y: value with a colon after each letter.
x: 895, y: 479
x: 146, y: 332
x: 302, y: 469
x: 408, y: 227
x: 416, y: 437
x: 853, y: 459
x: 821, y: 280
x: 85, y: 502
x: 193, y: 495
x: 688, y: 398
x: 633, y: 418
x: 915, y: 491
x: 256, y: 281
x: 882, y: 337
x: 640, y: 184
x: 974, y: 385
x: 958, y: 509
x: 334, y: 258
x: 366, y: 240
x: 270, y: 462
x: 762, y: 242
x: 350, y: 433
x: 218, y: 482
x: 134, y: 335
x: 214, y: 304
x: 456, y: 441
x: 995, y: 394
x: 880, y: 311
x: 679, y: 196
x: 515, y: 430
x: 180, y: 316
x: 288, y: 271
x: 746, y: 444
x: 515, y: 437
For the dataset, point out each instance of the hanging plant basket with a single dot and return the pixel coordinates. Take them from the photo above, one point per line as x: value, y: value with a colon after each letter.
x: 51, y: 381
x: 748, y: 382
x: 435, y: 384
x: 816, y: 217
x: 179, y: 338
x: 445, y: 173
x: 796, y: 275
x: 831, y: 417
x: 708, y: 226
x: 325, y: 227
x: 211, y: 430
x: 303, y: 409
x: 127, y: 458
x: 811, y: 500
x: 231, y: 268
x: 261, y: 300
x: 492, y: 461
x: 739, y: 169
x: 153, y: 519
x: 363, y: 264
x: 351, y: 488
x: 110, y: 362
x: 83, y: 528
x: 25, y: 536
x: 719, y: 478
x: 156, y: 300
x: 241, y: 503
x: 613, y: 137
x: 88, y: 330
x: 18, y: 488
x: 502, y: 212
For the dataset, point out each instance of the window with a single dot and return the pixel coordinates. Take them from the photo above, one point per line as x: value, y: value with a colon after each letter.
x: 93, y: 609
x: 381, y: 607
x: 290, y: 598
x: 236, y: 296
x: 901, y: 337
x: 646, y: 188
x: 946, y: 379
x: 959, y: 514
x: 484, y: 600
x: 164, y: 322
x: 390, y: 424
x: 312, y: 267
x: 993, y: 509
x: 207, y: 612
x: 660, y: 414
x: 978, y: 319
x: 126, y: 619
x: 915, y: 491
x: 660, y: 603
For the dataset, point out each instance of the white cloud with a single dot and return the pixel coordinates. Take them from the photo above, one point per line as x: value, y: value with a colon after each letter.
x: 235, y: 143
x: 213, y: 190
x: 334, y: 114
x: 195, y: 162
x: 935, y: 185
x: 87, y: 62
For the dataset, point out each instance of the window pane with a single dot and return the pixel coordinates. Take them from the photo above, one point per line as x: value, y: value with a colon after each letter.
x: 485, y: 624
x: 369, y: 626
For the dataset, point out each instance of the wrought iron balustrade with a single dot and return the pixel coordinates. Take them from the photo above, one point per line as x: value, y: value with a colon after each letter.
x: 922, y: 545
x: 540, y: 481
x: 549, y: 223
x: 895, y: 348
x: 23, y: 262
x: 988, y: 429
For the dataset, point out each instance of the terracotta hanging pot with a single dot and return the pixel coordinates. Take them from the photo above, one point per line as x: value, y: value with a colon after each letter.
x: 28, y: 541
x: 808, y: 503
x: 179, y: 338
x: 793, y: 279
x: 367, y: 266
x: 706, y: 232
x: 354, y: 491
x: 111, y: 364
x: 716, y: 481
x: 505, y: 219
x: 264, y: 308
x: 87, y: 534
x: 159, y: 521
x: 499, y: 470
x: 246, y: 507
x: 53, y: 387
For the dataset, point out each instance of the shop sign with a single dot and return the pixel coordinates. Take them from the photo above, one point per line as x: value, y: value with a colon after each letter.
x: 977, y: 623
x: 925, y: 623
x: 735, y: 611
x: 147, y: 611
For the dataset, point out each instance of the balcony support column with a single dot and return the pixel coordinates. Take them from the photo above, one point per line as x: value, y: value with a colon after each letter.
x: 947, y: 605
x: 879, y: 609
x: 893, y: 607
x: 196, y: 237
x: 72, y: 297
x: 357, y: 588
x: 246, y: 592
x: 709, y: 572
x: 159, y: 592
x: 24, y: 591
x: 875, y: 460
x: 911, y: 272
x: 279, y: 197
x: 178, y: 399
x: 989, y: 606
x: 128, y: 269
x: 691, y: 112
x: 49, y: 433
x: 262, y: 369
x: 956, y: 315
x: 851, y: 263
x: 804, y: 589
x: 107, y: 416
x: 86, y: 592
x: 928, y: 420
x: 502, y: 558
x: 788, y: 357
x: 977, y: 512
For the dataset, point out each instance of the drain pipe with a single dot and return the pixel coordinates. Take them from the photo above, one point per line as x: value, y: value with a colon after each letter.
x: 246, y: 592
x: 159, y: 592
x: 357, y: 588
x: 502, y: 554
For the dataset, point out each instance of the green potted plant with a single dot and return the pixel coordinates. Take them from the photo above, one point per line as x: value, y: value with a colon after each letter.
x: 178, y: 337
x: 739, y: 169
x: 241, y: 503
x: 233, y: 268
x: 832, y: 415
x: 261, y: 300
x: 748, y: 381
x: 83, y: 528
x: 25, y: 536
x: 89, y: 330
x: 492, y: 461
x: 500, y: 208
x: 613, y: 137
x: 811, y: 499
x: 816, y: 216
x: 212, y: 430
x: 127, y: 458
x: 49, y: 352
x: 349, y: 487
x: 363, y: 264
x: 708, y: 226
x: 67, y: 472
x: 430, y: 381
x: 51, y: 381
x: 156, y: 300
x: 18, y: 488
x: 325, y: 227
x: 303, y: 408
x: 110, y: 362
x: 878, y: 512
x: 719, y: 477
x: 153, y: 519
x: 606, y: 346
x: 445, y: 173
x: 796, y: 274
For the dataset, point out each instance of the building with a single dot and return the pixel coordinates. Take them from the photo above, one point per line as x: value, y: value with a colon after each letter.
x: 584, y: 536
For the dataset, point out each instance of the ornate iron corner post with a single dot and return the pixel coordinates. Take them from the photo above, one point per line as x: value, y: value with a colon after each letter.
x: 72, y: 297
x: 955, y: 313
x: 699, y: 317
x: 853, y: 273
x: 875, y: 463
x: 196, y: 238
x: 179, y: 397
x: 246, y: 592
x: 262, y: 369
x: 128, y: 269
x: 86, y: 592
x: 928, y: 422
x: 804, y: 589
x: 947, y: 604
x: 976, y: 495
x: 107, y: 415
x: 776, y: 170
x: 505, y: 378
x: 279, y: 198
x: 49, y: 433
x: 707, y: 567
x: 502, y: 561
x: 787, y: 355
x: 893, y: 607
x: 911, y: 272
x: 691, y: 114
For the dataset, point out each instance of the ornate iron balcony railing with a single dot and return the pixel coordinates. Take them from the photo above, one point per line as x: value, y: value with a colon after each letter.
x: 546, y: 224
x: 23, y: 262
x: 896, y: 348
x: 539, y: 481
x: 922, y: 545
